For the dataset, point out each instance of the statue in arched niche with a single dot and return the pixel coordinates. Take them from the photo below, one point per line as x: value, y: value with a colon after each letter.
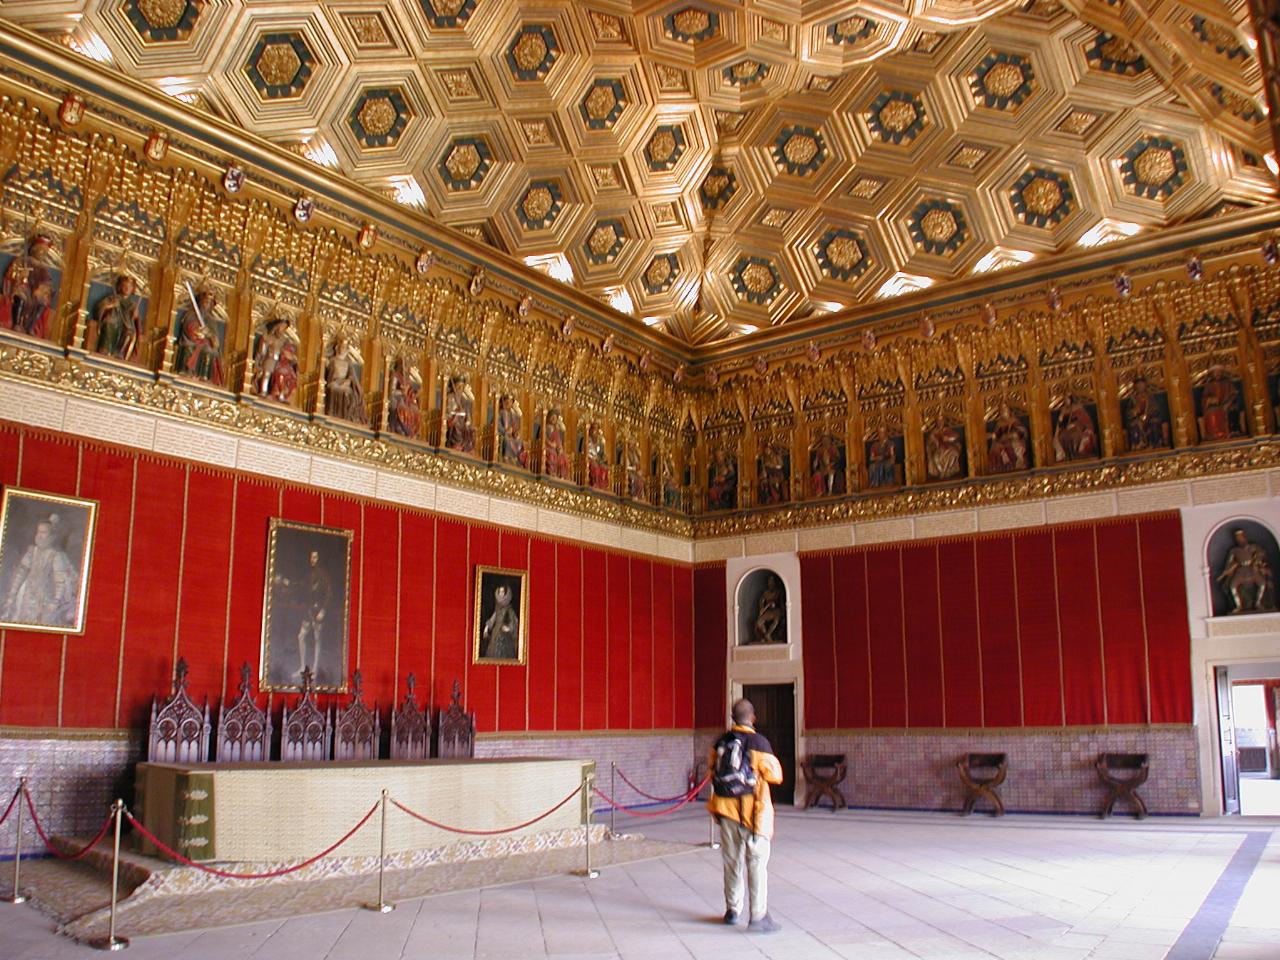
x: 769, y: 612
x: 1247, y: 577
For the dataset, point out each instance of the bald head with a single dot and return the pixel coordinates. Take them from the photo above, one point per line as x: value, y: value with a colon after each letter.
x: 744, y: 712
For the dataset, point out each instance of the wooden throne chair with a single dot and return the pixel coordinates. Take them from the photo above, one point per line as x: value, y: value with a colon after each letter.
x: 179, y: 729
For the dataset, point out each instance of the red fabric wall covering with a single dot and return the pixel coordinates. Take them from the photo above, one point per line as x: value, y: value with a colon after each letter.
x: 711, y: 639
x: 179, y: 565
x: 1077, y: 625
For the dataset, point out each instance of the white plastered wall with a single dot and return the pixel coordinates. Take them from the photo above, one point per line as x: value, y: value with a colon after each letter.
x: 768, y: 663
x: 1220, y: 641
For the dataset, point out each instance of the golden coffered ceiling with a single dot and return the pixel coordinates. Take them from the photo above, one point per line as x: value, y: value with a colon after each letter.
x: 725, y: 167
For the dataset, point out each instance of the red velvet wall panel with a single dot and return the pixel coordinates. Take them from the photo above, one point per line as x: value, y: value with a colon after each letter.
x: 1083, y: 624
x: 852, y: 644
x: 178, y: 570
x: 711, y: 637
x: 819, y: 656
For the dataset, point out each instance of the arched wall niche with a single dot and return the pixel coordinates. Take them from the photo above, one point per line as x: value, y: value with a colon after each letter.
x: 1237, y: 581
x: 761, y: 606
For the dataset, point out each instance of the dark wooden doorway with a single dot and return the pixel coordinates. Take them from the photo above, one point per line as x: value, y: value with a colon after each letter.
x: 775, y: 705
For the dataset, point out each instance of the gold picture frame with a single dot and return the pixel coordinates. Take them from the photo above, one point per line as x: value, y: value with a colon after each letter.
x: 46, y: 552
x: 308, y: 587
x: 493, y: 631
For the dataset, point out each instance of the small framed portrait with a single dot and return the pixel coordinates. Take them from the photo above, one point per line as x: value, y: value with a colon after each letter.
x: 502, y: 608
x: 46, y: 542
x: 305, y: 607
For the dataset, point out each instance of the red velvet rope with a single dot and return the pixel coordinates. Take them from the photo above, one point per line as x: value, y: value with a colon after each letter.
x: 12, y: 802
x: 106, y: 825
x: 487, y: 833
x: 688, y: 797
x: 649, y: 796
x: 248, y: 876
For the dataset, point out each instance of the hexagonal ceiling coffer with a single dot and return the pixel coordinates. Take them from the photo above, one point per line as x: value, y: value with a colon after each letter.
x: 540, y: 204
x: 465, y: 162
x: 718, y: 187
x: 605, y: 240
x: 1245, y: 108
x: 1115, y: 55
x: 842, y: 254
x: 798, y: 150
x: 446, y: 14
x: 691, y: 24
x: 379, y: 116
x: 1002, y: 80
x: 1153, y: 167
x: 665, y: 147
x: 661, y: 273
x: 937, y: 226
x: 533, y: 52
x: 746, y: 72
x: 1042, y: 197
x: 603, y: 104
x: 851, y: 31
x: 280, y: 65
x: 896, y: 116
x: 1215, y: 35
x: 163, y: 21
x: 755, y: 279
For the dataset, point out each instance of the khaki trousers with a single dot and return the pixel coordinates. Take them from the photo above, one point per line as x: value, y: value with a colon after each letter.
x: 746, y: 857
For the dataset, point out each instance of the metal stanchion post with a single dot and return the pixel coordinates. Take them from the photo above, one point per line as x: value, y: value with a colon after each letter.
x: 588, y: 783
x: 18, y: 896
x: 382, y: 906
x: 112, y: 942
x: 613, y: 793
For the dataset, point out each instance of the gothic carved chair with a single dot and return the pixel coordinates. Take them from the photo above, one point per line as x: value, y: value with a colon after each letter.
x: 357, y: 729
x: 1134, y: 768
x: 305, y: 731
x: 410, y: 727
x: 244, y: 728
x: 457, y: 728
x: 179, y: 729
x: 824, y: 772
x: 983, y: 787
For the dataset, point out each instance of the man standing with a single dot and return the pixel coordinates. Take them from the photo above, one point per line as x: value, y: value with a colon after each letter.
x: 743, y: 766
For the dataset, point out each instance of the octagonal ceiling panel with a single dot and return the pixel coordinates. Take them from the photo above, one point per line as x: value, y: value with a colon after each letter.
x: 690, y: 152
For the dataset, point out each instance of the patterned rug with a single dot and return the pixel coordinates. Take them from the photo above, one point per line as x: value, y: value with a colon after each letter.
x: 159, y: 897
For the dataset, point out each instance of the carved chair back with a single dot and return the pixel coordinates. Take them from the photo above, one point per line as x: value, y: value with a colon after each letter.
x: 410, y: 727
x: 457, y: 728
x: 244, y: 728
x: 357, y: 727
x: 306, y: 731
x: 179, y: 729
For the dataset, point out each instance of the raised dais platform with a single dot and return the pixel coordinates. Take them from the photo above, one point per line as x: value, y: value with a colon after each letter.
x: 291, y: 811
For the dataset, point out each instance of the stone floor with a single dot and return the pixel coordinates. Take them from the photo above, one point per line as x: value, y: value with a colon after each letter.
x: 855, y: 884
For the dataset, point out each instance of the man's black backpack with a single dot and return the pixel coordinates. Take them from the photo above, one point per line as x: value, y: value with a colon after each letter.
x: 733, y: 775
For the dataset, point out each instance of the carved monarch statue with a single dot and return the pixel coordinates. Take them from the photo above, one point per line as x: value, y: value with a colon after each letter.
x: 1247, y: 577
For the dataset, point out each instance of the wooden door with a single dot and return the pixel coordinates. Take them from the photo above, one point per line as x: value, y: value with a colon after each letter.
x: 1227, y: 740
x: 775, y: 705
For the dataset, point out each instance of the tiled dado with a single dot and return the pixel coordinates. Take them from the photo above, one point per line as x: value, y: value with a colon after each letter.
x: 1050, y: 771
x: 144, y: 430
x: 1086, y: 506
x: 72, y: 783
x: 659, y: 763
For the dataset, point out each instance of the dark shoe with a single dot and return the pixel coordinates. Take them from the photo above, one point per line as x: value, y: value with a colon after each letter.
x: 731, y: 917
x: 765, y: 924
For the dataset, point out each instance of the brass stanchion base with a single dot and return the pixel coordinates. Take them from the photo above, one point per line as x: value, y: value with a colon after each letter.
x: 15, y: 898
x: 588, y: 874
x: 110, y: 943
x: 379, y: 907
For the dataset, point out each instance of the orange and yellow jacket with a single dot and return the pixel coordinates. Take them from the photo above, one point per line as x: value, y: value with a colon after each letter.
x: 754, y: 811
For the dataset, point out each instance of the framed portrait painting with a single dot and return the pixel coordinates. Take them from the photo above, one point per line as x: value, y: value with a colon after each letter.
x: 502, y: 607
x: 46, y: 543
x: 305, y: 607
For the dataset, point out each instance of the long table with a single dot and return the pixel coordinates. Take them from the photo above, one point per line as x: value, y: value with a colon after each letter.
x: 291, y: 811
